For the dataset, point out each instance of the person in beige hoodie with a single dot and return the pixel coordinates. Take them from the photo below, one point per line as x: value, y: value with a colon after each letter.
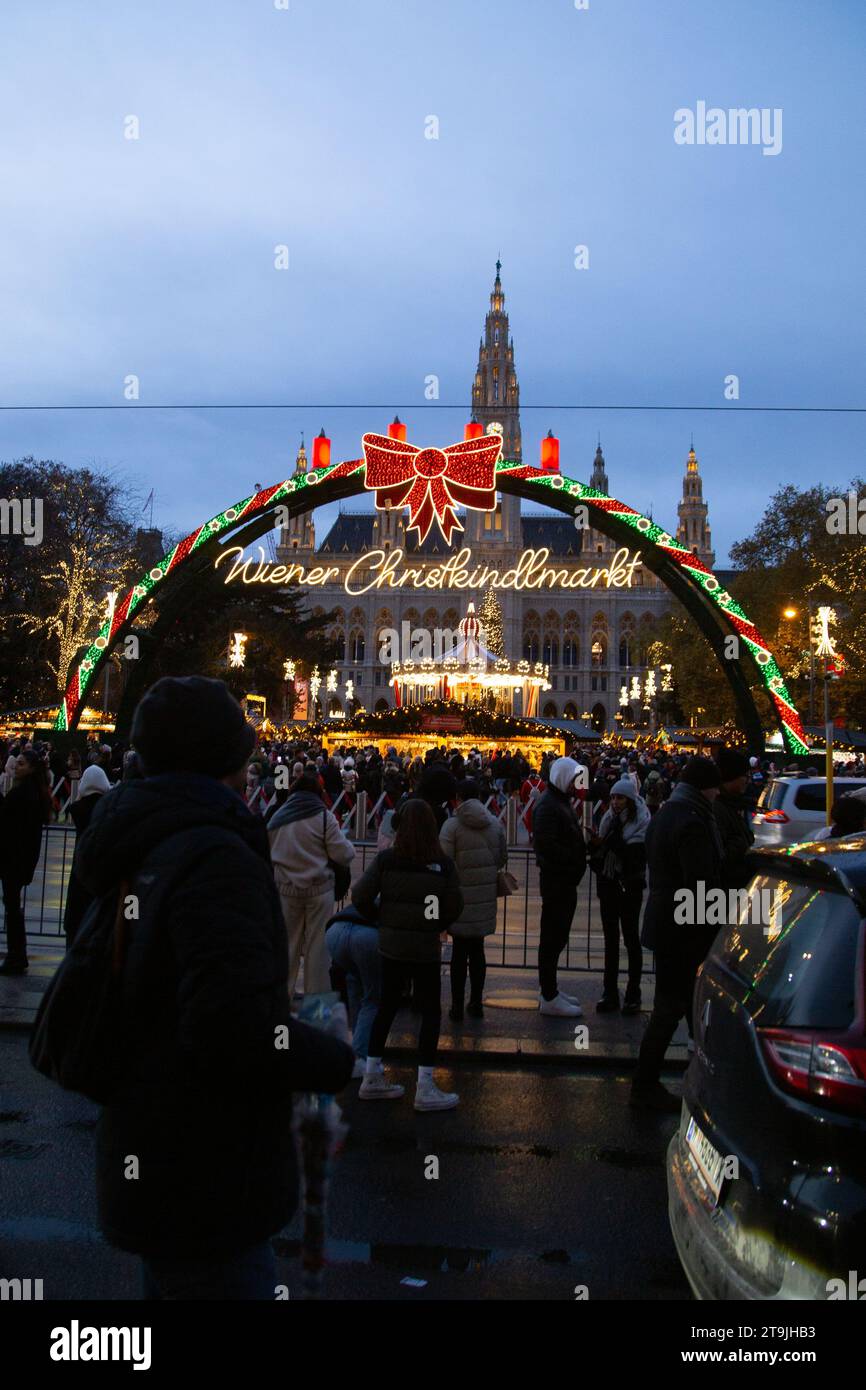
x: 304, y: 835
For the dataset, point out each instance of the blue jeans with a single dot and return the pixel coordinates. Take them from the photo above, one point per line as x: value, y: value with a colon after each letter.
x: 355, y: 949
x: 251, y: 1274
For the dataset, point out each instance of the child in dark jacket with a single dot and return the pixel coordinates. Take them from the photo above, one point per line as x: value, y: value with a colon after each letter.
x: 412, y: 892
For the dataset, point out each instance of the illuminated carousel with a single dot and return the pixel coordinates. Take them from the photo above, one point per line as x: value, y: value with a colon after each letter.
x: 467, y: 698
x: 470, y: 674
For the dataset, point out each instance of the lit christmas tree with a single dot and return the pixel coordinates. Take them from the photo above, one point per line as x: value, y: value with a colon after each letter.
x: 490, y: 617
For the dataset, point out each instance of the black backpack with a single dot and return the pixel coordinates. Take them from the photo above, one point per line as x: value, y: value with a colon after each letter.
x: 80, y: 1037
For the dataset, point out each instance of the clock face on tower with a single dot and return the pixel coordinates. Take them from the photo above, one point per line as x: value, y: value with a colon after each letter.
x: 495, y: 428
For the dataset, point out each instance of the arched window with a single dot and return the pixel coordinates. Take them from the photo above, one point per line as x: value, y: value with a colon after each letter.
x: 627, y: 640
x: 339, y: 638
x: 531, y: 646
x: 549, y: 711
x: 598, y: 645
x: 599, y: 718
x: 381, y: 705
x: 357, y: 647
x: 550, y: 650
x: 570, y: 711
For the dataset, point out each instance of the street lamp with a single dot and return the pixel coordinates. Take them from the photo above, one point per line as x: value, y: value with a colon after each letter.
x: 789, y: 613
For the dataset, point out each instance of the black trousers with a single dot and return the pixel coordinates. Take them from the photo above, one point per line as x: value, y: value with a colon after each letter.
x: 467, y: 952
x: 620, y: 911
x: 16, y: 936
x: 676, y: 972
x: 558, y: 904
x: 425, y: 980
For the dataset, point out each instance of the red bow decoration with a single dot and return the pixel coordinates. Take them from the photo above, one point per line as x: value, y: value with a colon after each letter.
x: 432, y: 481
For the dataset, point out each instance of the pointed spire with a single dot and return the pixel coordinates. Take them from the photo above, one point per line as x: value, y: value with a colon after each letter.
x: 599, y: 471
x: 301, y: 458
x: 692, y: 459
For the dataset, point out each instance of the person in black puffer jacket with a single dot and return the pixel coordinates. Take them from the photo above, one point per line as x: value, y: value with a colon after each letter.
x: 93, y: 785
x: 205, y: 1107
x: 412, y: 893
x: 684, y: 852
x: 24, y: 810
x: 619, y: 862
x: 560, y: 851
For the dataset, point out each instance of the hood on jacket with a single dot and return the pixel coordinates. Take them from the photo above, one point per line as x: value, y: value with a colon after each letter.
x: 562, y: 774
x: 475, y: 814
x: 93, y: 781
x: 134, y: 817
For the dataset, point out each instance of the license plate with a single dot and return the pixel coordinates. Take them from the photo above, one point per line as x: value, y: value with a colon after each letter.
x: 705, y: 1158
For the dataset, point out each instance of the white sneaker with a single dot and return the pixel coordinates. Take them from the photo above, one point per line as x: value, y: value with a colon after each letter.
x: 572, y: 998
x: 429, y: 1097
x: 560, y: 1007
x: 376, y: 1086
x: 359, y: 1070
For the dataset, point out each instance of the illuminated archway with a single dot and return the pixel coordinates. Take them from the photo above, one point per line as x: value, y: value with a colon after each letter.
x: 715, y: 611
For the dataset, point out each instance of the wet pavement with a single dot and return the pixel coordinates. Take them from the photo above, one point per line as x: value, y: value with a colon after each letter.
x: 512, y: 1029
x: 547, y: 1183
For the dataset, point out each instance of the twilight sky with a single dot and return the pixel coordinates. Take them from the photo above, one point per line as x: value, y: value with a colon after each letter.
x: 306, y: 127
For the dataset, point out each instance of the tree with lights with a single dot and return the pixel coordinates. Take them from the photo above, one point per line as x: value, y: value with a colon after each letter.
x: 490, y: 618
x: 787, y: 568
x: 53, y: 595
x: 193, y: 631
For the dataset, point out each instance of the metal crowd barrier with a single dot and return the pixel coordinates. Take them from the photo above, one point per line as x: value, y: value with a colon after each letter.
x: 514, y: 944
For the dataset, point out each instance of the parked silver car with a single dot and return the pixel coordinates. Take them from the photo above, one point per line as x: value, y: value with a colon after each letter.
x: 791, y: 809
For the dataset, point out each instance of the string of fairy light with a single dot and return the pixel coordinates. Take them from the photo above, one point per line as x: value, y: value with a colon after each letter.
x: 577, y: 492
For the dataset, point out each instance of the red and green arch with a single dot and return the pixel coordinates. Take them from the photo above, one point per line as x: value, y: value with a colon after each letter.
x: 717, y: 614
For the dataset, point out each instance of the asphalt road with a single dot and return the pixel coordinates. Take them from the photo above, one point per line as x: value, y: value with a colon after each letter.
x: 546, y: 1182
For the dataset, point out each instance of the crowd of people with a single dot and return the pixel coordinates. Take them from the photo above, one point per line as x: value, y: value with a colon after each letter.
x: 238, y: 870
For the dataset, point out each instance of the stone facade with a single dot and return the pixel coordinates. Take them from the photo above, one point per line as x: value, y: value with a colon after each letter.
x: 592, y: 638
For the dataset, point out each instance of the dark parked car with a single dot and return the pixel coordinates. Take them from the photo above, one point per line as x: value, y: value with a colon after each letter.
x: 767, y: 1171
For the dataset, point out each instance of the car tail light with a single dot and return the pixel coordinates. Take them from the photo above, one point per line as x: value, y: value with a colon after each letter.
x: 776, y: 818
x: 831, y: 1073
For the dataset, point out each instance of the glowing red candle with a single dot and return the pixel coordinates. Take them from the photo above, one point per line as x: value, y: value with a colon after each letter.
x: 321, y: 451
x: 550, y: 453
x: 396, y: 429
x: 473, y: 430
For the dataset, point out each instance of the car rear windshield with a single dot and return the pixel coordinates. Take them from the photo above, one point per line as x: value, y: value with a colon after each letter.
x: 800, y: 970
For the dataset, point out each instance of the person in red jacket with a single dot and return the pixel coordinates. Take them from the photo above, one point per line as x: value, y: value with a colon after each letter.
x: 530, y: 791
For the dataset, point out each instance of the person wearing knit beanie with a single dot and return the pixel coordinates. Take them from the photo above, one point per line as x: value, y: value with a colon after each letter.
x: 191, y: 724
x: 733, y: 813
x: 702, y: 774
x: 684, y: 855
x: 619, y: 861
